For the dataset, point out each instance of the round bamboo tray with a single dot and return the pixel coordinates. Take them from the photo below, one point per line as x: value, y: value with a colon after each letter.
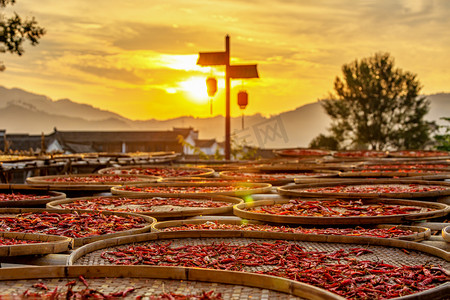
x: 359, y: 154
x: 45, y: 181
x: 25, y: 189
x: 239, y: 189
x: 162, y: 211
x: 446, y: 234
x: 367, y: 173
x: 199, y: 179
x: 420, y: 154
x: 140, y: 170
x: 77, y: 242
x: 275, y: 178
x: 390, y: 251
x: 153, y: 281
x: 419, y: 233
x: 305, y: 190
x: 302, y: 152
x: 46, y: 244
x: 439, y: 210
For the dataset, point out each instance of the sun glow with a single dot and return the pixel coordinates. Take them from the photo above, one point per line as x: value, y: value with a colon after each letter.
x: 195, y: 87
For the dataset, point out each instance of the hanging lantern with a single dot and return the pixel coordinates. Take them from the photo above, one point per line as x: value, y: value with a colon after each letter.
x: 242, y: 99
x: 211, y: 86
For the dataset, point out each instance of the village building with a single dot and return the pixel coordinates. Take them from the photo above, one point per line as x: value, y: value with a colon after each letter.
x: 178, y: 140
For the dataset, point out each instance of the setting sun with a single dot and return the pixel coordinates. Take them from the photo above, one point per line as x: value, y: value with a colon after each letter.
x: 195, y: 87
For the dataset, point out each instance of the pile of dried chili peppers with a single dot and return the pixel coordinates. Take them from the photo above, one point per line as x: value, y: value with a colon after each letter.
x: 405, y: 166
x: 4, y: 241
x: 339, y: 271
x: 20, y: 197
x: 375, y: 188
x: 74, y: 225
x: 392, y: 232
x: 94, y: 179
x: 41, y: 291
x: 334, y: 208
x: 184, y: 189
x: 162, y: 172
x: 145, y: 204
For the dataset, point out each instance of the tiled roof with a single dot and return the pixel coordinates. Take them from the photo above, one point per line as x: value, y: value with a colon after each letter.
x: 205, y: 143
x: 118, y: 136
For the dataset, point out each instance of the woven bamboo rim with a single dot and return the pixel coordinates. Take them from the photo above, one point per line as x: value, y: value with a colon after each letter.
x: 254, y: 188
x: 168, y: 213
x: 439, y: 210
x: 293, y: 190
x: 416, y: 173
x: 420, y: 233
x: 26, y: 189
x: 41, y: 181
x: 206, y: 172
x: 178, y: 274
x: 342, y: 180
x: 446, y: 234
x: 77, y: 242
x: 48, y: 244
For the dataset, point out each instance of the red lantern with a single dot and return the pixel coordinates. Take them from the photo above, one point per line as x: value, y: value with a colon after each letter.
x: 211, y: 86
x: 242, y: 99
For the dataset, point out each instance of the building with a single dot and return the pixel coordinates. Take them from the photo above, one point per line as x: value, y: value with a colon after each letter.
x: 105, y: 141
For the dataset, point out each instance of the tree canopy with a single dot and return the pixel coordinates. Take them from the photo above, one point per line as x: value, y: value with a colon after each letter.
x: 376, y: 106
x: 14, y: 31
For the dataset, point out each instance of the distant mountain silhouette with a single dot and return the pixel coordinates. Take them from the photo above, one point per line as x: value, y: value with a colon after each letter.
x: 25, y: 112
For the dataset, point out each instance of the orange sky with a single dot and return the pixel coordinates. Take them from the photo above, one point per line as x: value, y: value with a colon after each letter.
x: 137, y: 58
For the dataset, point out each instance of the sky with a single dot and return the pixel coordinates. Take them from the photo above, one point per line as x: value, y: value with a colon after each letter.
x: 138, y: 57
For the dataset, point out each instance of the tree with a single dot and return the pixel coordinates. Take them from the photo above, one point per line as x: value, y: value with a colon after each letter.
x: 377, y: 106
x: 14, y: 32
x: 443, y: 140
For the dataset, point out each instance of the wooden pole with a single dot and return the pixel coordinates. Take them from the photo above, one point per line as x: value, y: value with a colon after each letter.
x: 227, y: 100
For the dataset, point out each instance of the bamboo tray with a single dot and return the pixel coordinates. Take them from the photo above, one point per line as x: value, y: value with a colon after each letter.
x: 302, y: 152
x: 302, y: 189
x: 163, y: 211
x: 416, y: 173
x: 47, y: 244
x: 43, y: 181
x: 389, y: 251
x: 439, y: 210
x: 77, y: 242
x: 25, y: 189
x: 420, y: 233
x: 248, y: 189
x: 153, y: 281
x: 420, y: 154
x: 359, y: 154
x: 446, y: 234
x: 140, y: 170
x: 275, y: 178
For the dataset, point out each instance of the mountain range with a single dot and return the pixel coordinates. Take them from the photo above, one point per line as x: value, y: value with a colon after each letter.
x: 26, y: 112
